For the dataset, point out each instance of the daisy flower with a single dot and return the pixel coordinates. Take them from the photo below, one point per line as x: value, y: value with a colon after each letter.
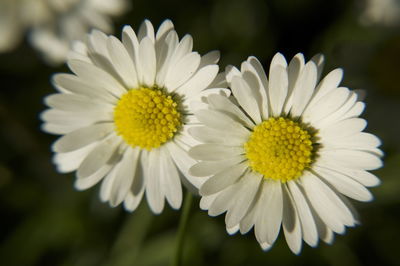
x: 54, y: 24
x: 125, y: 111
x: 285, y: 151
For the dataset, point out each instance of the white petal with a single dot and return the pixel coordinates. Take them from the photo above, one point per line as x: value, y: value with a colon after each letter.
x: 164, y: 29
x: 122, y: 62
x: 294, y: 69
x: 70, y: 161
x: 213, y: 152
x: 124, y: 176
x: 223, y: 201
x: 147, y: 62
x: 249, y: 185
x: 222, y: 103
x: 210, y: 58
x: 319, y: 61
x: 230, y: 72
x: 351, y: 159
x: 327, y: 204
x: 76, y: 85
x: 328, y: 104
x: 199, y: 81
x: 344, y: 184
x: 76, y: 103
x: 258, y: 69
x: 291, y: 222
x: 206, y: 201
x: 360, y: 141
x: 184, y: 162
x: 304, y: 89
x: 97, y: 77
x: 278, y: 88
x: 207, y: 168
x: 90, y: 181
x: 329, y: 83
x: 164, y: 50
x: 146, y: 30
x: 220, y: 121
x: 82, y: 137
x: 170, y: 181
x: 223, y: 179
x: 131, y: 43
x: 154, y: 190
x: 273, y: 211
x: 180, y: 72
x: 343, y: 128
x: 246, y: 99
x: 308, y: 227
x: 98, y: 157
x: 209, y: 135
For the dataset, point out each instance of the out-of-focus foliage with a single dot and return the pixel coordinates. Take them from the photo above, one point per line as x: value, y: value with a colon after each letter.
x: 44, y: 221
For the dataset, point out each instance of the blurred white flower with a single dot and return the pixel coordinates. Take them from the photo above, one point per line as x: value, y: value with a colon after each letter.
x: 386, y: 12
x: 53, y: 24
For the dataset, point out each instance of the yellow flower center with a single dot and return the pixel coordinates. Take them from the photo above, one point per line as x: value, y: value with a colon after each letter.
x: 146, y: 117
x: 279, y: 148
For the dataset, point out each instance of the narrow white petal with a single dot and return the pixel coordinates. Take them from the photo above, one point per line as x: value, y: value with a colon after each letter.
x: 294, y: 69
x: 70, y: 161
x: 199, y: 81
x: 206, y: 201
x: 147, y: 62
x: 291, y: 222
x: 344, y: 184
x: 78, y: 86
x: 209, y: 58
x: 76, y: 103
x: 82, y: 137
x: 98, y: 157
x: 258, y: 69
x: 319, y: 61
x: 223, y: 179
x: 230, y: 72
x: 90, y: 181
x: 343, y: 128
x: 258, y: 90
x: 304, y: 89
x: 278, y: 88
x: 97, y: 77
x: 329, y: 83
x: 124, y: 176
x: 213, y: 152
x: 209, y: 135
x: 170, y: 181
x: 221, y: 121
x: 207, y: 168
x: 223, y: 201
x: 327, y: 204
x: 183, y: 161
x: 352, y: 158
x: 249, y: 185
x: 146, y: 30
x: 122, y: 62
x: 222, y: 103
x: 308, y: 227
x: 180, y: 72
x: 164, y: 29
x: 246, y: 99
x: 154, y: 190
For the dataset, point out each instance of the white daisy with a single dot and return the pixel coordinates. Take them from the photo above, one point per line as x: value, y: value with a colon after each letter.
x: 125, y: 112
x: 285, y: 151
x: 54, y: 24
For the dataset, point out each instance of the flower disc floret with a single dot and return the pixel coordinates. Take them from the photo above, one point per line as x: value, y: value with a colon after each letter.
x: 279, y: 148
x: 147, y: 117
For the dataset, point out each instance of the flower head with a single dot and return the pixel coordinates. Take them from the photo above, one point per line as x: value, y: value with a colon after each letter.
x: 125, y: 112
x: 54, y: 24
x: 285, y: 151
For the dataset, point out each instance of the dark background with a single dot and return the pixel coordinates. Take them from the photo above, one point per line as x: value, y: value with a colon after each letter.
x: 44, y: 221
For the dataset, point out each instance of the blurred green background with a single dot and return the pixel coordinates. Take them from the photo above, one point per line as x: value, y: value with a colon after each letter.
x: 44, y: 221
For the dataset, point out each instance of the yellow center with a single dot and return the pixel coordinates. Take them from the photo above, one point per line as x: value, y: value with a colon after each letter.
x: 146, y: 117
x: 279, y: 148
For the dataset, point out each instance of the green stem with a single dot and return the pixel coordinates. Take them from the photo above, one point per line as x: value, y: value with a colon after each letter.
x: 183, y: 221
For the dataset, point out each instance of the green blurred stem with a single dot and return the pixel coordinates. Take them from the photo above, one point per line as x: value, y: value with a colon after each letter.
x: 177, y: 258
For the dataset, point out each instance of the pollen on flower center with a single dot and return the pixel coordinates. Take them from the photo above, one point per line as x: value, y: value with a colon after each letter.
x: 279, y: 148
x: 146, y: 117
